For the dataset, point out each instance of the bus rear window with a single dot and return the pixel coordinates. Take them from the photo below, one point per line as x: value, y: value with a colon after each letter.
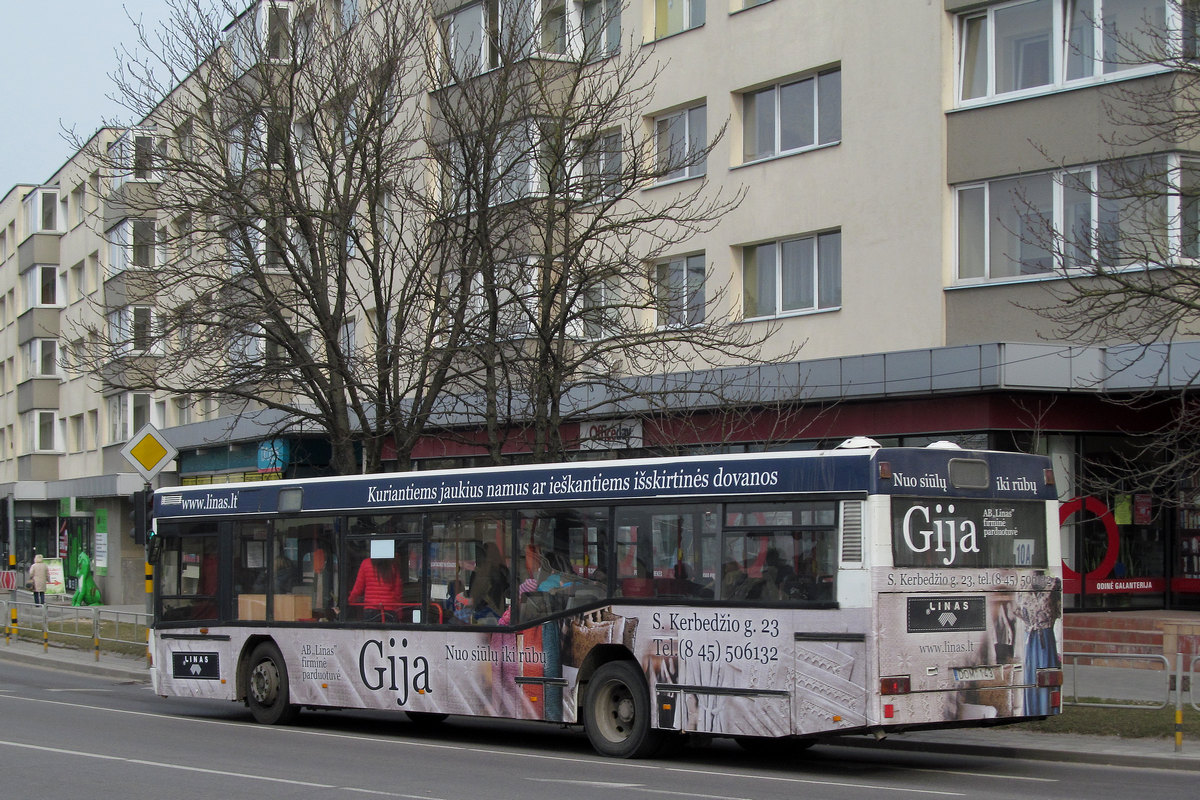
x: 969, y: 473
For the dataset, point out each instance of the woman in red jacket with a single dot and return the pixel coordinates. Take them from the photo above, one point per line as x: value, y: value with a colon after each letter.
x: 378, y: 590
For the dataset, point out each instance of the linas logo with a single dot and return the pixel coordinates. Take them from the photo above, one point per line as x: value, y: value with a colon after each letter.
x: 202, y: 666
x: 382, y: 669
x: 947, y: 611
x: 925, y: 529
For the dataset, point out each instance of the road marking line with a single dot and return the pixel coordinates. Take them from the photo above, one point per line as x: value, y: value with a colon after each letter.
x: 997, y: 775
x: 600, y: 784
x: 388, y: 794
x: 648, y: 790
x: 181, y: 767
x: 817, y: 782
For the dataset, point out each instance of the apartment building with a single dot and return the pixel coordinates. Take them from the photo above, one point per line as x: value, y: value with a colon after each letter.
x: 896, y: 159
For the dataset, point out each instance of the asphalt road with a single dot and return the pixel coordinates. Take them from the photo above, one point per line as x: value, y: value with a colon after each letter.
x: 73, y: 735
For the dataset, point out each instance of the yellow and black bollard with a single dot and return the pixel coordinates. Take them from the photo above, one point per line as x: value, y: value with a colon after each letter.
x: 10, y: 628
x: 149, y: 590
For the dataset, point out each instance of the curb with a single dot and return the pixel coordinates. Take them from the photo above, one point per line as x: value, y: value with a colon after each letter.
x: 97, y: 669
x: 999, y: 750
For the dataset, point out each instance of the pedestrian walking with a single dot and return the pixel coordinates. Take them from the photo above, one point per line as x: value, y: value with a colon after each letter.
x: 39, y: 574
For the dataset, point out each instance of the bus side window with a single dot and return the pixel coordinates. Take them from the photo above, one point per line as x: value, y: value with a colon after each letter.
x: 188, y: 577
x: 250, y: 571
x: 667, y: 551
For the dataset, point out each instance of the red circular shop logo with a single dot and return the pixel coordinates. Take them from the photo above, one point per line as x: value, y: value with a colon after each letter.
x: 1105, y: 515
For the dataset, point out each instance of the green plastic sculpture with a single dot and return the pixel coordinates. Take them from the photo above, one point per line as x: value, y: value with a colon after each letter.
x: 86, y: 593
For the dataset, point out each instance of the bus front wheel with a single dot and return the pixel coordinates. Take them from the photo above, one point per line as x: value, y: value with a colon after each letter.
x: 267, y: 687
x: 617, y: 712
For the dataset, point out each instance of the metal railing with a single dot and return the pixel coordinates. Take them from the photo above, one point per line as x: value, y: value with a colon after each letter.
x: 81, y: 627
x: 1177, y: 681
x: 1070, y: 692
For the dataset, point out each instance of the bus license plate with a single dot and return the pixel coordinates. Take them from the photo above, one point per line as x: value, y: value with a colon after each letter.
x: 974, y: 674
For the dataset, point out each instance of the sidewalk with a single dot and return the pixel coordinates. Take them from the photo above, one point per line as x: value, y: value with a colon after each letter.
x: 1011, y: 741
x: 73, y: 659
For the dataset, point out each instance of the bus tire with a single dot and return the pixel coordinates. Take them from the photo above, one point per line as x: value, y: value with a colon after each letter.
x: 617, y: 712
x: 267, y: 687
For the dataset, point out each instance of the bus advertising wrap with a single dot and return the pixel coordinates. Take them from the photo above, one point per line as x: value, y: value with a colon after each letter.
x: 725, y: 671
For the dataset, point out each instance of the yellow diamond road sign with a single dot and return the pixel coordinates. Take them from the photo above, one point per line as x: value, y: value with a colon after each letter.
x: 148, y: 452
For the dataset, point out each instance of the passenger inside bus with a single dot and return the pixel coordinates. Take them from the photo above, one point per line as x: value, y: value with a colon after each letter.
x: 488, y: 590
x: 378, y: 590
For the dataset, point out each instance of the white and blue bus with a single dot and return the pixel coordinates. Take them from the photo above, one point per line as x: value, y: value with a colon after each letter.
x: 799, y: 595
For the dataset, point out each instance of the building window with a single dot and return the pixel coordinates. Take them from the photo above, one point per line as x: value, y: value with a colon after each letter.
x: 131, y: 330
x: 553, y: 27
x: 77, y: 197
x: 260, y: 247
x: 1117, y: 214
x: 128, y: 413
x: 42, y: 358
x: 118, y: 418
x: 794, y: 116
x: 681, y: 291
x: 601, y: 20
x: 1013, y: 48
x: 132, y: 243
x: 681, y: 139
x: 600, y: 307
x: 600, y: 164
x: 134, y: 156
x: 470, y: 40
x: 279, y: 36
x: 45, y: 287
x: 41, y: 211
x: 78, y: 440
x: 675, y: 16
x: 262, y: 32
x: 42, y: 432
x: 349, y: 13
x: 246, y: 347
x: 183, y: 409
x: 185, y: 140
x: 792, y: 275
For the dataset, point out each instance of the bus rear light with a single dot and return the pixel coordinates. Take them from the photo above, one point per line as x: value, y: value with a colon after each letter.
x: 1049, y: 677
x: 900, y: 684
x: 889, y: 711
x: 1056, y: 699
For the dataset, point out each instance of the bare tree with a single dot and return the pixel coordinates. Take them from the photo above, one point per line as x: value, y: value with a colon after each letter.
x: 261, y: 220
x: 377, y: 235
x: 559, y: 212
x: 1126, y: 241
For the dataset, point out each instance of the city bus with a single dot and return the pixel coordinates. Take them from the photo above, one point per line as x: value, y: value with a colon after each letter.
x: 775, y: 598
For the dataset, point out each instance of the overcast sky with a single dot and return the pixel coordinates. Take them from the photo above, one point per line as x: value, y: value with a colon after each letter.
x: 55, y: 59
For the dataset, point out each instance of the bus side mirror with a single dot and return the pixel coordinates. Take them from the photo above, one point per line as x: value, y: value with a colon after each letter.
x: 153, y: 550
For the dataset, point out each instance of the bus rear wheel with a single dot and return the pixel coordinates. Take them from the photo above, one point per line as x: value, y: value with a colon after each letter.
x: 617, y: 712
x: 267, y: 687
